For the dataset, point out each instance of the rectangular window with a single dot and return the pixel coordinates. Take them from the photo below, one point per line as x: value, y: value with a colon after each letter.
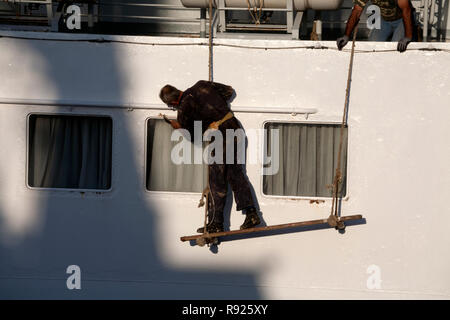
x: 162, y: 174
x: 307, y: 159
x: 72, y: 152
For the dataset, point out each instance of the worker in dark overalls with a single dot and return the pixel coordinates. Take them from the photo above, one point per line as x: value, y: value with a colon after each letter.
x: 208, y: 102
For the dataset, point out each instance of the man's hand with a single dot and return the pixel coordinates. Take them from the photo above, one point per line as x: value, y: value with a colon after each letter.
x: 173, y: 123
x: 342, y: 41
x: 165, y: 118
x: 402, y: 44
x: 350, y: 26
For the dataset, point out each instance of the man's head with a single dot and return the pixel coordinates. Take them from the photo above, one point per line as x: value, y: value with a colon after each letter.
x: 170, y: 95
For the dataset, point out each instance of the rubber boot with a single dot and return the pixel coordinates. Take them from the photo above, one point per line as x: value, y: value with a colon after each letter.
x: 211, y: 228
x: 251, y: 219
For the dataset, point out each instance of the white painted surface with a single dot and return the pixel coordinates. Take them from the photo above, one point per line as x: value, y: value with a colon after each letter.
x: 126, y: 241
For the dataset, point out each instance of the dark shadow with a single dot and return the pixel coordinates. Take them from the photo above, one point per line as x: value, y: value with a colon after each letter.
x: 111, y: 235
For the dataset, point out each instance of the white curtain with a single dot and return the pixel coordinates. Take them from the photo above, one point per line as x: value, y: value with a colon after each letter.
x: 70, y: 152
x: 162, y: 173
x: 307, y: 160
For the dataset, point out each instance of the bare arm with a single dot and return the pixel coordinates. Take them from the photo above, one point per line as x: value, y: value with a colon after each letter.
x: 351, y: 23
x: 174, y: 123
x: 406, y: 15
x: 353, y: 19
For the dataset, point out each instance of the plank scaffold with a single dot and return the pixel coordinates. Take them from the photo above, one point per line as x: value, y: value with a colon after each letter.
x: 267, y: 228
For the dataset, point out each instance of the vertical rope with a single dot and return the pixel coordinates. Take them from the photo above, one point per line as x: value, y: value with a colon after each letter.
x: 256, y: 17
x: 338, y: 175
x: 210, y: 61
x: 207, y: 191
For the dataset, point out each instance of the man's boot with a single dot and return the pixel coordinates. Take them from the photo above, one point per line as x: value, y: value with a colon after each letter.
x: 212, y: 227
x: 251, y: 219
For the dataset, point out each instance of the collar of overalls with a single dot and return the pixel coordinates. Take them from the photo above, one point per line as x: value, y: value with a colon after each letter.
x: 177, y: 103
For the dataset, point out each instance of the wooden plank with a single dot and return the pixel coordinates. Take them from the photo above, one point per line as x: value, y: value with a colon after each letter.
x: 268, y: 228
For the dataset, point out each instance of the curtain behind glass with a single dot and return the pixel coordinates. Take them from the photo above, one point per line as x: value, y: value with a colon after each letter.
x: 70, y: 152
x: 307, y: 160
x: 162, y: 173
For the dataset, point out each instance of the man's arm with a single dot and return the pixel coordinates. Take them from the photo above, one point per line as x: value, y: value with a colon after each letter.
x: 185, y: 119
x: 174, y: 123
x: 406, y: 15
x: 353, y: 19
x: 226, y: 92
x: 351, y: 23
x: 407, y: 23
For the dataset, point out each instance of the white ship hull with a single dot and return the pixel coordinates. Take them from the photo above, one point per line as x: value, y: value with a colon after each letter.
x: 126, y: 240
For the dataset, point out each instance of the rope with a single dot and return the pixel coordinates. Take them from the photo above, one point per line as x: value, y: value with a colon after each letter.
x: 210, y: 42
x: 256, y: 17
x: 207, y: 191
x: 317, y: 46
x: 334, y: 219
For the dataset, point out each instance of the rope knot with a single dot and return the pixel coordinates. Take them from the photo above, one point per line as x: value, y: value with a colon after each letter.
x: 205, y: 192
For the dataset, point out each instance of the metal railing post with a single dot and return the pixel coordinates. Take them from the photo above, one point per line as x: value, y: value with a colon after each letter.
x: 202, y: 23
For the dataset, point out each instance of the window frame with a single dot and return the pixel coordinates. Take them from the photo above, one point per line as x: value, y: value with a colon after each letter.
x: 27, y: 156
x: 314, y: 122
x: 187, y: 193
